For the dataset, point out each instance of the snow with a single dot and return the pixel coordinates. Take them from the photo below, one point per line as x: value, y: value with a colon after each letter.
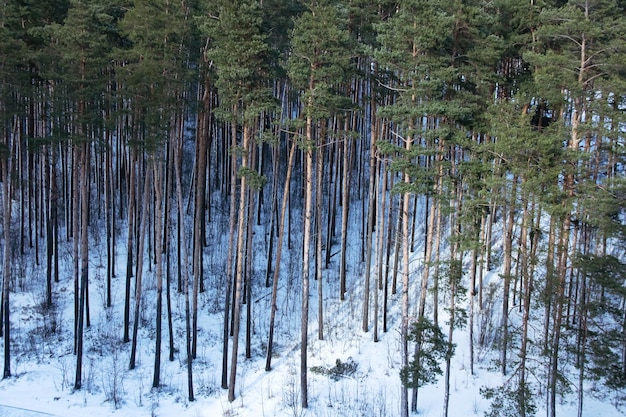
x: 43, y: 364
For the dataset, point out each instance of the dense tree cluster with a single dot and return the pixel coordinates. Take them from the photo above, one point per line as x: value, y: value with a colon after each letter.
x: 135, y: 124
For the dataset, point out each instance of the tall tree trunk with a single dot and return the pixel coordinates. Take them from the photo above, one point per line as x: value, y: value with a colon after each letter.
x: 558, y: 313
x: 345, y: 206
x: 506, y: 275
x: 371, y: 209
x: 139, y: 273
x: 185, y: 273
x: 130, y: 242
x: 239, y: 272
x: 383, y: 229
x: 5, y: 164
x: 404, y: 328
x: 229, y: 257
x: 281, y: 234
x: 84, y: 258
x: 75, y: 243
x: 202, y: 138
x: 158, y: 243
x: 51, y: 209
x: 319, y: 171
x: 306, y: 245
x: 249, y: 257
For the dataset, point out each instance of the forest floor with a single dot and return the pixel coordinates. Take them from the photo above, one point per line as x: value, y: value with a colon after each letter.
x: 350, y: 374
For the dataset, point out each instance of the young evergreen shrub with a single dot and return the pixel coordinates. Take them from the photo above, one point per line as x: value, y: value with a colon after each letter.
x: 432, y: 349
x: 509, y: 401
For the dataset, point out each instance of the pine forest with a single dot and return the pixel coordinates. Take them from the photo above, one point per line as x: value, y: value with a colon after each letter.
x: 193, y: 191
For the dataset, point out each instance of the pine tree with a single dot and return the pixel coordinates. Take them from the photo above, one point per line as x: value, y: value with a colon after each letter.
x: 320, y: 56
x: 238, y: 49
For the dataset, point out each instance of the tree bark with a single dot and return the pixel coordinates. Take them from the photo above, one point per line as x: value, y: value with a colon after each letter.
x: 5, y: 164
x: 239, y: 271
x: 139, y: 273
x: 158, y: 242
x: 279, y: 247
x: 84, y: 258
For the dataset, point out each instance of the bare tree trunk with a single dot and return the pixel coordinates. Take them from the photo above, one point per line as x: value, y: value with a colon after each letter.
x: 185, y: 272
x: 404, y: 329
x: 110, y: 187
x: 319, y: 171
x: 158, y: 242
x: 229, y: 258
x: 527, y: 287
x: 371, y: 209
x: 239, y: 273
x: 472, y: 300
x: 281, y: 234
x: 84, y: 258
x: 5, y: 164
x: 380, y: 250
x: 199, y: 214
x: 75, y: 243
x: 139, y: 273
x: 273, y: 214
x: 558, y: 313
x: 306, y: 245
x: 169, y: 174
x: 345, y: 206
x: 508, y: 248
x: 249, y: 257
x: 130, y: 243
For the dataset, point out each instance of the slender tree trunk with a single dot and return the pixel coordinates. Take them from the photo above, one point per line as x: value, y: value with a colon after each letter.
x: 548, y: 295
x: 558, y: 313
x: 84, y: 258
x: 345, y: 206
x: 239, y: 273
x: 199, y: 215
x: 472, y: 298
x: 306, y: 245
x: 273, y: 214
x: 319, y: 171
x: 404, y: 329
x: 139, y: 273
x: 75, y: 244
x: 5, y: 164
x: 130, y: 243
x: 279, y: 247
x: 185, y: 272
x: 51, y: 204
x: 380, y: 250
x: 249, y: 259
x: 527, y: 287
x: 229, y: 258
x: 508, y: 248
x: 110, y: 187
x: 371, y: 209
x: 158, y: 242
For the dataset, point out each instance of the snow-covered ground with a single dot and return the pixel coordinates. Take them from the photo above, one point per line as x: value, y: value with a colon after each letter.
x: 43, y: 364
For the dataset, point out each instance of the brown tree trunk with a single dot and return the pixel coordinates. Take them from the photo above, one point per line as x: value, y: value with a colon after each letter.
x: 130, y: 243
x: 5, y: 164
x: 506, y: 275
x: 239, y: 272
x: 229, y: 258
x: 306, y: 246
x: 139, y: 272
x: 279, y: 247
x: 84, y: 258
x: 345, y: 206
x: 157, y: 173
x: 185, y: 273
x: 319, y: 172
